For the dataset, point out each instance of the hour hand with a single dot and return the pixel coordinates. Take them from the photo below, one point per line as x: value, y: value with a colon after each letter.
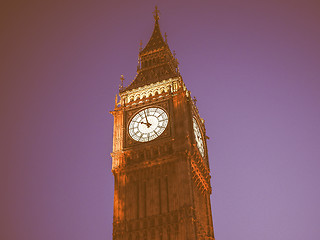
x: 148, y: 124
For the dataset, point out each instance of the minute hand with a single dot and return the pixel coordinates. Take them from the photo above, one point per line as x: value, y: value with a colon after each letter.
x: 148, y: 124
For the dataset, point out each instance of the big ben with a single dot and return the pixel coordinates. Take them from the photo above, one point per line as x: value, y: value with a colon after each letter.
x: 160, y: 159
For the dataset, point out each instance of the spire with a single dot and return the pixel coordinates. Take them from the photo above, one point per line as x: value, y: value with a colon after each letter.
x: 156, y: 40
x: 156, y: 62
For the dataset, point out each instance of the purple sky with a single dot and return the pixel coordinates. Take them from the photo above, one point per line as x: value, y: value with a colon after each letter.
x: 253, y: 66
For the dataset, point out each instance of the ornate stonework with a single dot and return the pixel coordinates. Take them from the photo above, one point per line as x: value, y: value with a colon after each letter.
x: 162, y: 186
x: 170, y: 85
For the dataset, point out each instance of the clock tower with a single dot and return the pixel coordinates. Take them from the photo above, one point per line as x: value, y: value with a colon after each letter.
x: 159, y: 160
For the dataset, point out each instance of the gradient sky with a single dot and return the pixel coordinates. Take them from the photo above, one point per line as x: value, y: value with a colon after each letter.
x: 253, y: 66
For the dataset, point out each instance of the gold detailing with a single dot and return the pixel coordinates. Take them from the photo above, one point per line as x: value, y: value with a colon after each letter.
x: 194, y: 100
x: 121, y: 85
x: 200, y: 172
x: 156, y: 13
x: 116, y: 101
x: 166, y: 86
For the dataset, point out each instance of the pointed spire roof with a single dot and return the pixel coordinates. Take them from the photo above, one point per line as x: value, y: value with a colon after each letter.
x: 156, y: 40
x: 156, y: 61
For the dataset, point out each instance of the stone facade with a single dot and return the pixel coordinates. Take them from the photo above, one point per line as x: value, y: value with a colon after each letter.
x: 162, y: 187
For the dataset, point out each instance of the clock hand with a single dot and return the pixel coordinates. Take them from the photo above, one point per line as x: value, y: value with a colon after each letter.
x: 148, y: 124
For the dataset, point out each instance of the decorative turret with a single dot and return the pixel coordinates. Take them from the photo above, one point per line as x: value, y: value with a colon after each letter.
x: 156, y: 62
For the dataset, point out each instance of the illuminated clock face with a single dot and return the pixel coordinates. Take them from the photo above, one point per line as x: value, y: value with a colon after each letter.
x: 198, y: 137
x: 148, y: 124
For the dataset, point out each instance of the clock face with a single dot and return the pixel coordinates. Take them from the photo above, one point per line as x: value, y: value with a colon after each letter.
x: 198, y: 137
x: 148, y: 124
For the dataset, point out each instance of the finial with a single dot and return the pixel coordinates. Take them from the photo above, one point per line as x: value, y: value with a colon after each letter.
x: 156, y: 13
x: 195, y: 100
x: 139, y: 64
x: 140, y: 48
x: 165, y: 37
x: 122, y: 79
x: 116, y: 101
